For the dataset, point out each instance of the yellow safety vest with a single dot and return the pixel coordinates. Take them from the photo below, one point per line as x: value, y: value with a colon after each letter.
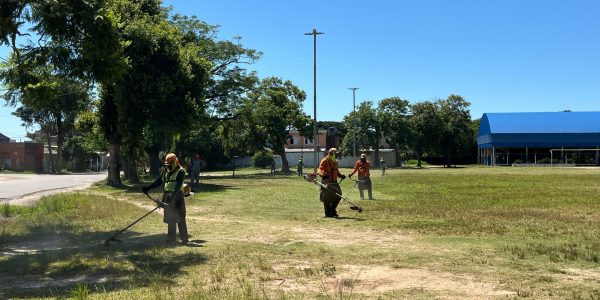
x: 170, y: 181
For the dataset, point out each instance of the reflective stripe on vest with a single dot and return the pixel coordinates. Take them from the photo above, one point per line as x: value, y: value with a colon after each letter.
x: 170, y: 181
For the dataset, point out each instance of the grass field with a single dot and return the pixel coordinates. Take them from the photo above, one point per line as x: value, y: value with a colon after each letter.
x: 433, y: 233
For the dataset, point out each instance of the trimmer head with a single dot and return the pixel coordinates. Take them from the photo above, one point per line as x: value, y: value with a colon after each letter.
x: 356, y: 208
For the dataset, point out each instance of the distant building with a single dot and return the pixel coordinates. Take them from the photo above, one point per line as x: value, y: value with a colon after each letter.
x: 539, y: 138
x: 4, y: 139
x: 25, y: 156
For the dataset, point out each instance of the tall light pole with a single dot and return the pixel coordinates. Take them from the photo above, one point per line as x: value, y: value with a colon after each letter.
x: 314, y: 33
x: 353, y: 120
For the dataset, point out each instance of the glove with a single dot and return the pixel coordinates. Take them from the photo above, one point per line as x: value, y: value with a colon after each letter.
x: 342, y: 176
x: 310, y: 177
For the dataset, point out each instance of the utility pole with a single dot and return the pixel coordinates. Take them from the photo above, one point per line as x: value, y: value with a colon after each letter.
x: 353, y: 120
x: 314, y: 33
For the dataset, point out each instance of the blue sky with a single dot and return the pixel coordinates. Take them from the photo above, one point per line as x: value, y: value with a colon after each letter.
x: 502, y: 56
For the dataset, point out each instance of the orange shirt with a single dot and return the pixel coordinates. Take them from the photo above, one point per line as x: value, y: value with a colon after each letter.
x: 363, y: 169
x: 330, y: 168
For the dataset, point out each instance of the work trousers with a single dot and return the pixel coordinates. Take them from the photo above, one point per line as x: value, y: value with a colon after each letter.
x: 174, y: 216
x: 330, y: 199
x: 365, y: 184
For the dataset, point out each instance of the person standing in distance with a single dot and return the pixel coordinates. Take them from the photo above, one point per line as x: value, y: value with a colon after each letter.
x: 196, y: 164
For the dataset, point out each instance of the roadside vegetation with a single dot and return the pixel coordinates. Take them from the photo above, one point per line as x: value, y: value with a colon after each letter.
x: 431, y: 233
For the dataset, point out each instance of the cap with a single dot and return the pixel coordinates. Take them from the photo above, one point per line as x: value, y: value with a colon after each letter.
x: 333, y: 150
x: 363, y: 156
x: 170, y: 158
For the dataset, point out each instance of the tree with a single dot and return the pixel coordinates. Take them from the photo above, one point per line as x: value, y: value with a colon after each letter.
x: 162, y: 87
x: 47, y: 97
x: 426, y: 125
x: 223, y: 91
x: 393, y: 114
x: 368, y: 130
x: 82, y: 38
x: 276, y: 106
x: 456, y: 133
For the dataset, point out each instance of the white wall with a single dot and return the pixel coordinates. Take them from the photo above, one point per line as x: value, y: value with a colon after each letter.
x: 344, y: 162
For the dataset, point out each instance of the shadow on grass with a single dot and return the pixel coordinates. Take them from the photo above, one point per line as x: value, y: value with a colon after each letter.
x: 351, y: 218
x: 199, y: 188
x: 58, y: 265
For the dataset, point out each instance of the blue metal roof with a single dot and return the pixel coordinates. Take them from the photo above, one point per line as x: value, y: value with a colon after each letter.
x: 540, y: 129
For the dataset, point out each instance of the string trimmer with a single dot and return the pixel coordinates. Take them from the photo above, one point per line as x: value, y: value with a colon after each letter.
x: 312, y: 178
x: 113, y: 237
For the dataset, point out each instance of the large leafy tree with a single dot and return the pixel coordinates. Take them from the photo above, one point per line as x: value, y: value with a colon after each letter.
x: 365, y: 125
x: 426, y: 124
x: 393, y: 114
x: 164, y: 85
x: 456, y: 133
x: 274, y: 108
x: 47, y: 98
x: 84, y: 42
x: 221, y: 110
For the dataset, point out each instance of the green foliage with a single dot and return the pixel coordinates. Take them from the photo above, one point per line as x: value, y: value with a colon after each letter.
x: 262, y: 159
x: 456, y: 135
x: 267, y: 115
x: 365, y: 126
x: 414, y: 162
x: 393, y: 115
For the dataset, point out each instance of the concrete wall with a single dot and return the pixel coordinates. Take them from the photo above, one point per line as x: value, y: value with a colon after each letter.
x: 345, y: 162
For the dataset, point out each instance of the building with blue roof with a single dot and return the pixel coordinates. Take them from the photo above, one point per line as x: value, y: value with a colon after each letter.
x: 539, y: 137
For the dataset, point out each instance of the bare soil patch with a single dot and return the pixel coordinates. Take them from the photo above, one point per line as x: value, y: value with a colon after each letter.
x: 374, y: 280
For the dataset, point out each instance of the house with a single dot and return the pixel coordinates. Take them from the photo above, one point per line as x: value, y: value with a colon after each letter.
x: 20, y: 156
x: 4, y: 139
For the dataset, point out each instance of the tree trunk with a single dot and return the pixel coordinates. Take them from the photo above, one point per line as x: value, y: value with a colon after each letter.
x: 50, y: 158
x: 449, y: 160
x: 153, y: 153
x: 114, y: 168
x: 59, y: 152
x: 110, y: 115
x: 418, y: 158
x: 130, y: 165
x: 60, y: 140
x: 377, y: 157
x: 285, y: 166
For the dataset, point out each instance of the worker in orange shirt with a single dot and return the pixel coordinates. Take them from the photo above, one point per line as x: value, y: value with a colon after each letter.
x: 329, y: 172
x: 362, y: 166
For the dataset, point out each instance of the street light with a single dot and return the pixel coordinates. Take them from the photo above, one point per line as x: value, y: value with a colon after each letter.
x: 353, y: 120
x: 314, y: 33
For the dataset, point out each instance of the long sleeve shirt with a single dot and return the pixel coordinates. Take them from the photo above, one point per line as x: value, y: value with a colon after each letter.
x: 361, y: 168
x: 328, y: 169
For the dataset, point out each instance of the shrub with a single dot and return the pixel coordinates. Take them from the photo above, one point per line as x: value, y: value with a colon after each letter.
x: 262, y: 159
x: 518, y: 161
x: 414, y: 162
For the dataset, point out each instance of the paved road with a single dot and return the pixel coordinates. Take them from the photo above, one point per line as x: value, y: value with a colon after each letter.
x: 26, y: 188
